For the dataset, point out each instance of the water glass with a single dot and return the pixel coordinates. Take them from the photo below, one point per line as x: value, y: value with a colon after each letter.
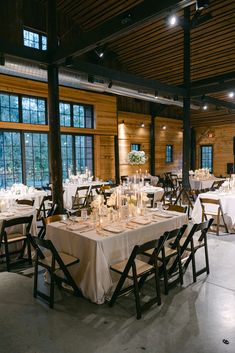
x: 84, y: 214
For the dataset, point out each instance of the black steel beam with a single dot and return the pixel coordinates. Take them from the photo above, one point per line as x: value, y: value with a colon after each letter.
x: 23, y: 52
x: 143, y: 13
x: 213, y: 88
x: 123, y: 77
x: 216, y: 102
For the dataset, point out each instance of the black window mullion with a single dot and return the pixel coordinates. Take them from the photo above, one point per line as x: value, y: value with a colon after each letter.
x: 71, y: 116
x: 20, y: 109
x: 74, y: 154
x: 23, y: 157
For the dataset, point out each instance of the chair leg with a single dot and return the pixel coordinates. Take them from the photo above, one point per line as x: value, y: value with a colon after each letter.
x: 117, y: 290
x: 52, y: 285
x: 180, y: 268
x: 194, y: 265
x: 206, y: 256
x: 7, y: 256
x: 165, y: 276
x: 29, y: 252
x: 158, y: 289
x: 137, y: 298
x: 35, y: 287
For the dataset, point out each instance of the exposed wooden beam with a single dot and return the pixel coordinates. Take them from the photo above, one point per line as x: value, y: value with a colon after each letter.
x: 124, y: 77
x: 143, y: 13
x: 23, y: 52
x: 217, y: 87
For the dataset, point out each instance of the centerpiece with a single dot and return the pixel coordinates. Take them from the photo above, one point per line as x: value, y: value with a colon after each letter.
x: 136, y: 158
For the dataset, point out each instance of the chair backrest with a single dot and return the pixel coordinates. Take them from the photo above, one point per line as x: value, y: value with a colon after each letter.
x: 7, y: 223
x: 214, y: 203
x: 54, y: 218
x: 197, y: 227
x: 48, y: 245
x: 81, y: 196
x: 177, y: 208
x: 25, y: 202
x: 176, y: 235
x: 42, y: 208
x: 216, y: 184
x: 53, y: 210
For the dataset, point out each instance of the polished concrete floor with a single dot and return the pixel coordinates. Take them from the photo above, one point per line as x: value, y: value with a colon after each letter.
x: 195, y: 318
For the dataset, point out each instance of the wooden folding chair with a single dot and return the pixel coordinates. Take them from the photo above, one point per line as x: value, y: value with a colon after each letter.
x: 138, y: 271
x: 80, y: 199
x: 212, y: 208
x: 190, y: 245
x: 20, y: 233
x: 54, y: 262
x: 177, y: 208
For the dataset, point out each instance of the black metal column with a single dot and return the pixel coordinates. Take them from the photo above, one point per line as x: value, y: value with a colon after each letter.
x: 152, y: 146
x: 53, y: 112
x: 193, y: 149
x: 186, y: 106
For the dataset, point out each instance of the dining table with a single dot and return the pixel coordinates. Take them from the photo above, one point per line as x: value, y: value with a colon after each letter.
x: 9, y: 197
x: 70, y: 190
x: 200, y: 183
x: 98, y: 247
x: 227, y: 199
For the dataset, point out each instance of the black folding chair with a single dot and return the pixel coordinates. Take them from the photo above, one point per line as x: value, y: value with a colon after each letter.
x: 21, y: 234
x: 54, y: 262
x: 138, y: 271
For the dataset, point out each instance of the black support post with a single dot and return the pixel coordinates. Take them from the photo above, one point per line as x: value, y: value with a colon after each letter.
x: 152, y: 146
x: 117, y: 169
x: 186, y: 104
x: 53, y: 112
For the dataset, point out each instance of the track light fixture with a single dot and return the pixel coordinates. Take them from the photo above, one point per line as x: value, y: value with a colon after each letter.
x: 110, y: 84
x: 202, y: 4
x: 2, y: 59
x: 99, y: 52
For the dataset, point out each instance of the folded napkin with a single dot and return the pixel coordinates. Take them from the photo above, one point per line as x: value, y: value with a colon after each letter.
x: 77, y: 226
x: 162, y: 214
x: 141, y: 220
x: 114, y: 229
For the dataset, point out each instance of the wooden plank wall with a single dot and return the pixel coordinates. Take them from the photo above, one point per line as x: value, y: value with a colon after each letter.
x: 129, y: 133
x: 105, y: 112
x: 172, y: 135
x: 221, y: 138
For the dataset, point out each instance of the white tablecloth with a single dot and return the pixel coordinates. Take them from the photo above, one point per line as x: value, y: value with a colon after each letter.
x: 228, y: 204
x: 202, y: 184
x: 8, y: 197
x: 97, y: 252
x: 70, y: 190
x: 155, y: 190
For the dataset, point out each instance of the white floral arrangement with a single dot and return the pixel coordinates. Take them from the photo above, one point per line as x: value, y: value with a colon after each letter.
x: 111, y: 202
x: 136, y: 158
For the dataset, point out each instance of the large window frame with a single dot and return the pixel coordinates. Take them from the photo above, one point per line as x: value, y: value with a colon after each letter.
x: 72, y: 114
x: 42, y: 39
x: 169, y: 153
x: 206, y: 157
x: 74, y: 169
x: 22, y: 158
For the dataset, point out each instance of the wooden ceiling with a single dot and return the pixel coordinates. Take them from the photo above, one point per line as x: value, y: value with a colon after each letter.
x: 152, y: 50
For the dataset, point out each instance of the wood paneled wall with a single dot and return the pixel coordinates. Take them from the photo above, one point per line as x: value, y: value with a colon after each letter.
x: 131, y: 132
x: 105, y: 111
x: 172, y: 135
x: 221, y: 138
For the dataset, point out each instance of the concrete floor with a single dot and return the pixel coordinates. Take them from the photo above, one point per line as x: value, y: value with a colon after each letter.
x: 193, y: 318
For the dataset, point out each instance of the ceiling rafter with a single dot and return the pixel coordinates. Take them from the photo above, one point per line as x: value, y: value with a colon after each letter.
x: 116, y: 27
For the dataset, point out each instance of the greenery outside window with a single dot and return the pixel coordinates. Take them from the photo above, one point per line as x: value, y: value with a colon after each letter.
x: 76, y: 115
x: 207, y: 157
x: 9, y: 107
x: 10, y: 161
x: 34, y: 40
x: 169, y: 153
x: 77, y: 153
x: 33, y: 110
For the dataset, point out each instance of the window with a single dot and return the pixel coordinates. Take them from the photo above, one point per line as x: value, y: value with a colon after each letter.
x: 77, y: 153
x: 135, y: 147
x: 36, y: 161
x: 10, y: 161
x: 23, y: 159
x: 33, y: 110
x: 76, y: 115
x: 34, y: 40
x: 169, y: 153
x: 207, y: 157
x: 17, y: 108
x: 9, y: 107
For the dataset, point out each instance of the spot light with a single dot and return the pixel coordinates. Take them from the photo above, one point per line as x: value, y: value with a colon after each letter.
x: 172, y: 20
x: 123, y: 122
x: 142, y: 124
x: 205, y: 107
x: 231, y: 94
x: 163, y: 127
x: 100, y: 52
